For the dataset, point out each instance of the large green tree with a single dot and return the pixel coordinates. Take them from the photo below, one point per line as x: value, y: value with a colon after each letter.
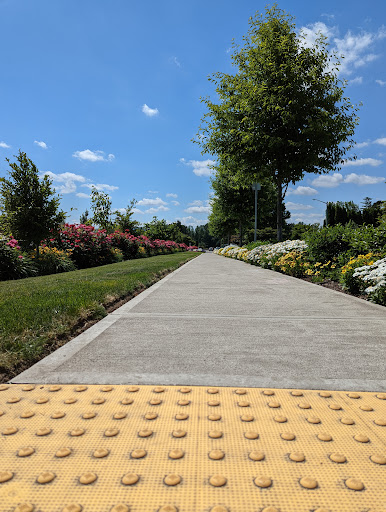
x: 283, y: 113
x: 28, y: 206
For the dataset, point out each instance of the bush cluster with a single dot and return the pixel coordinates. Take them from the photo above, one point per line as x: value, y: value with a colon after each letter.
x: 52, y: 261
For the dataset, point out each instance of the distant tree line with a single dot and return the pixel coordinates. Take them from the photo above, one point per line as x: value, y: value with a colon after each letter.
x: 345, y: 212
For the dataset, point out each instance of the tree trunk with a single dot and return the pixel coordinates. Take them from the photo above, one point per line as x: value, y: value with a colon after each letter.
x: 279, y: 213
x: 241, y: 234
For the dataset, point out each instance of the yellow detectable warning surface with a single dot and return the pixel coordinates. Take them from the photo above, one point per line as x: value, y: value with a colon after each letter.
x: 190, y: 449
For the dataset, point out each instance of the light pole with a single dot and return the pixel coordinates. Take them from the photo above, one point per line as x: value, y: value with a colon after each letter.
x: 256, y: 187
x: 326, y: 208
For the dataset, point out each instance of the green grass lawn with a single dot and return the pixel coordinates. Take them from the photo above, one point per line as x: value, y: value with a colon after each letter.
x: 36, y: 312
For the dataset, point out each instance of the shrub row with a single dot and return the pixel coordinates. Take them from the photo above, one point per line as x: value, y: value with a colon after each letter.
x: 78, y: 246
x: 355, y: 257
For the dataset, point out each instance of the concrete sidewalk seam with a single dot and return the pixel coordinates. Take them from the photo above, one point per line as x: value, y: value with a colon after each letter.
x: 252, y: 381
x: 251, y: 317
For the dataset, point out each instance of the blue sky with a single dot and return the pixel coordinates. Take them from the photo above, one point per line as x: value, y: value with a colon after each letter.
x: 108, y: 94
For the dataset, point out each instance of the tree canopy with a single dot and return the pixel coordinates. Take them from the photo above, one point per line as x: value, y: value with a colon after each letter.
x: 283, y: 113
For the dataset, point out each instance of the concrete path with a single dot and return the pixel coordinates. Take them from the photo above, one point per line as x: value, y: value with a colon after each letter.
x: 217, y: 321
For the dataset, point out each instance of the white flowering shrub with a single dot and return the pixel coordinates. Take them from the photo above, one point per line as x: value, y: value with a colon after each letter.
x: 272, y: 253
x: 372, y: 280
x: 255, y: 254
x: 264, y: 255
x: 288, y: 257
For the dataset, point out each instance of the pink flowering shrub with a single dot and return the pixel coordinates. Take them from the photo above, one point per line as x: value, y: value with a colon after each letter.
x: 13, y: 264
x: 78, y: 246
x: 89, y: 247
x: 127, y: 243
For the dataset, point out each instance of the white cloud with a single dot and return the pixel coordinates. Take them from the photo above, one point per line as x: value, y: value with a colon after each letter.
x: 363, y: 161
x: 4, y: 145
x: 356, y: 81
x: 362, y: 144
x: 196, y: 202
x: 40, y: 144
x: 297, y: 206
x: 380, y: 82
x: 363, y: 179
x: 192, y: 221
x: 311, y: 32
x: 82, y: 195
x: 158, y: 209
x: 172, y: 195
x: 150, y: 112
x: 381, y: 141
x: 302, y: 191
x: 198, y: 209
x: 176, y: 61
x: 151, y: 202
x: 93, y: 156
x: 69, y: 181
x: 153, y: 192
x: 356, y: 49
x: 200, y: 167
x: 101, y: 187
x: 334, y: 180
x: 328, y: 180
x: 176, y: 203
x: 137, y: 210
x: 308, y: 218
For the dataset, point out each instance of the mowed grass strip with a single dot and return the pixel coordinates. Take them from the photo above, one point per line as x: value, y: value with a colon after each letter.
x: 36, y: 313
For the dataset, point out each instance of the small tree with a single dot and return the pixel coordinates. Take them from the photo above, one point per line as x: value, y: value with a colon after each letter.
x: 283, y: 114
x: 84, y: 218
x: 221, y: 224
x: 124, y: 221
x: 236, y: 202
x: 158, y: 229
x: 28, y: 207
x: 101, y: 209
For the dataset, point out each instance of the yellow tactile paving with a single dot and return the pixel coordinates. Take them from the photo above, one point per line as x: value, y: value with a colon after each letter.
x: 190, y: 449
